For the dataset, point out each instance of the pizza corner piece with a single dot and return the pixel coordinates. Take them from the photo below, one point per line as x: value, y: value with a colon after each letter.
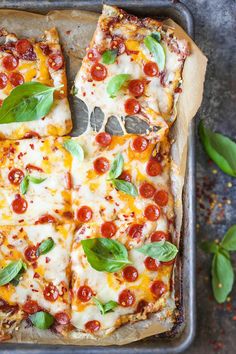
x: 33, y: 87
x: 133, y: 67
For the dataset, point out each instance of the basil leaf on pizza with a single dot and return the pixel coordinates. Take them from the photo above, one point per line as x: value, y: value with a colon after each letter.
x: 42, y: 320
x: 105, y: 255
x: 109, y: 56
x: 126, y: 187
x: 45, y: 246
x: 156, y: 36
x: 9, y: 272
x: 107, y: 307
x: 74, y: 148
x: 24, y: 186
x: 115, y: 84
x: 27, y: 102
x: 156, y: 49
x: 163, y: 251
x: 220, y: 149
x: 116, y: 167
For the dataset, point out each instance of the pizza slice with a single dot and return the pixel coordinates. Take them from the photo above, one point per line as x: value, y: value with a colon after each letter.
x: 34, y: 182
x: 133, y: 67
x: 34, y: 277
x: 24, y: 61
x: 123, y: 206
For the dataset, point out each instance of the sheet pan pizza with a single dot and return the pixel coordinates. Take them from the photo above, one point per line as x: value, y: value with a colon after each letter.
x: 87, y: 223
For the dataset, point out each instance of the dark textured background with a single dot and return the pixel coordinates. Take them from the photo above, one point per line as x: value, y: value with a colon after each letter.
x: 215, y: 32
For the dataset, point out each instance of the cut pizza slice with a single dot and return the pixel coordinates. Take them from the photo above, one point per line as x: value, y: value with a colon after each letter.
x: 133, y: 67
x: 27, y: 62
x: 34, y: 181
x: 34, y: 277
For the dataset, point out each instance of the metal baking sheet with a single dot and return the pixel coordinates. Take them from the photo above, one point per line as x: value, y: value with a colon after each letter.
x: 183, y: 333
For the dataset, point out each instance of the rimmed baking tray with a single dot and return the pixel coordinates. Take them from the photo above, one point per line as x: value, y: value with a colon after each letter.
x: 182, y: 335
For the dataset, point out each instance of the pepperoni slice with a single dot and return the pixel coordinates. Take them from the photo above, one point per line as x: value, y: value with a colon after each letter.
x: 140, y: 144
x: 16, y: 79
x: 136, y: 87
x: 132, y: 106
x: 9, y: 62
x: 46, y: 219
x: 92, y: 326
x: 108, y: 229
x: 30, y: 307
x: 19, y: 205
x: 153, y: 168
x: 62, y: 318
x: 103, y: 139
x: 152, y: 212
x: 158, y: 288
x: 135, y: 231
x: 23, y: 46
x: 15, y: 176
x: 98, y: 72
x: 125, y: 176
x: 151, y: 69
x: 159, y: 236
x: 161, y: 197
x: 55, y: 61
x: 126, y: 298
x: 84, y: 214
x: 31, y: 254
x: 3, y: 80
x: 84, y: 293
x: 101, y: 165
x: 130, y: 274
x: 31, y: 168
x: 51, y: 292
x: 93, y: 54
x: 147, y: 190
x: 151, y: 263
x: 118, y: 44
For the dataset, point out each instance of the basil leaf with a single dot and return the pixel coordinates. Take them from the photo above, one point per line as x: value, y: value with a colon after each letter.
x: 109, y: 56
x: 229, y: 240
x: 24, y: 185
x: 42, y: 320
x: 74, y: 90
x: 8, y: 273
x: 126, y: 187
x: 105, y: 255
x: 222, y: 277
x: 209, y: 247
x: 116, y: 166
x: 15, y: 281
x: 105, y: 308
x: 156, y: 36
x: 45, y: 246
x: 115, y: 84
x: 74, y: 148
x: 27, y: 102
x: 156, y: 50
x: 36, y: 180
x: 221, y: 149
x: 163, y: 251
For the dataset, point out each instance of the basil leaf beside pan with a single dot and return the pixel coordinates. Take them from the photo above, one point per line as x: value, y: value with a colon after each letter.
x: 105, y: 255
x: 163, y: 251
x: 115, y: 84
x: 156, y: 49
x: 8, y: 273
x: 220, y: 149
x: 27, y: 102
x: 42, y: 320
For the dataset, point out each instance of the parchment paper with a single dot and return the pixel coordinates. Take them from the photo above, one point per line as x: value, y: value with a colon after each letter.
x: 76, y: 29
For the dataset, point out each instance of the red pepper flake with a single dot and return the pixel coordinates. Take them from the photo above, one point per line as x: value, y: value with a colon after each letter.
x: 84, y: 94
x: 36, y: 275
x: 234, y: 318
x: 47, y: 259
x: 32, y: 146
x: 20, y: 155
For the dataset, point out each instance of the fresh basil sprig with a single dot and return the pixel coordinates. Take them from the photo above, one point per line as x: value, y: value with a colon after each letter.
x: 74, y: 148
x: 42, y: 320
x: 221, y: 269
x: 45, y: 246
x: 163, y: 251
x: 115, y: 171
x: 107, y: 307
x: 24, y: 186
x: 109, y: 56
x: 220, y: 149
x: 156, y: 49
x: 105, y: 255
x: 115, y: 84
x: 10, y: 272
x: 27, y: 102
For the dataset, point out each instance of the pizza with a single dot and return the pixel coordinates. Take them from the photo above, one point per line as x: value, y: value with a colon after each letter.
x: 133, y: 67
x: 26, y: 60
